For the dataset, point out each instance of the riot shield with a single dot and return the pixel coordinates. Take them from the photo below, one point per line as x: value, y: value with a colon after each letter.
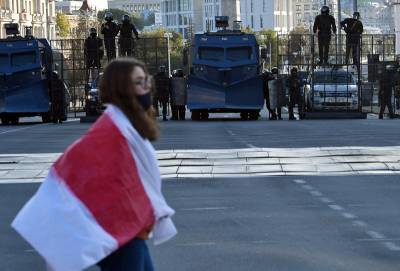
x: 277, y: 93
x: 178, y: 91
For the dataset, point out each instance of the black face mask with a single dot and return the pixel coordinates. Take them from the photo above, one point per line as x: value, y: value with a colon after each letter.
x: 144, y: 100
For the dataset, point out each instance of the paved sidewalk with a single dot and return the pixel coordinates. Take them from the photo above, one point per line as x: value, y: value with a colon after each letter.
x: 216, y: 163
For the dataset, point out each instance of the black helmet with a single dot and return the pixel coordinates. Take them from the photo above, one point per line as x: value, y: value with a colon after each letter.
x: 177, y: 73
x: 93, y: 31
x: 356, y: 15
x: 108, y: 16
x: 125, y: 18
x: 325, y: 10
x: 275, y: 70
x: 162, y: 68
x: 293, y: 70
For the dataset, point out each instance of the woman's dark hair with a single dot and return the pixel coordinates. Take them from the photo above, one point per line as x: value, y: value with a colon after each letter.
x: 117, y: 88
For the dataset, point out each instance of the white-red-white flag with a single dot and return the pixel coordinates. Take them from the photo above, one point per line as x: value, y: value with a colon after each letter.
x: 99, y: 194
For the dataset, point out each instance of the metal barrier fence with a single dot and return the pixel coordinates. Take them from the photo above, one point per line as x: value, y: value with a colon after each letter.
x: 69, y: 60
x: 376, y: 51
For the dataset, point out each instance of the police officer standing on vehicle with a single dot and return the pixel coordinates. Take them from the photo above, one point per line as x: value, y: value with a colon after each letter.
x: 324, y: 25
x: 126, y: 40
x: 295, y: 94
x: 386, y: 84
x: 94, y: 51
x: 162, y: 82
x: 353, y: 28
x: 57, y: 98
x: 110, y: 30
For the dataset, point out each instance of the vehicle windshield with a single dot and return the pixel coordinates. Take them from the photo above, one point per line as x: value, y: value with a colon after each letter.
x: 4, y: 60
x: 211, y: 53
x: 239, y: 53
x: 22, y: 59
x: 333, y: 78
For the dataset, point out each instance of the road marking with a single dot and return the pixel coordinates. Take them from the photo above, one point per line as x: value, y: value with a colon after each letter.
x: 308, y: 187
x: 230, y: 132
x: 349, y: 216
x: 298, y: 181
x: 359, y: 223
x: 375, y: 235
x: 315, y: 193
x: 375, y: 240
x: 205, y: 209
x: 391, y: 246
x: 198, y: 244
x: 251, y: 146
x: 336, y: 207
x: 20, y: 129
x: 326, y: 200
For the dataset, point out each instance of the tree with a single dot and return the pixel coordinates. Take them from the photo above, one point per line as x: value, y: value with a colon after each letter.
x: 269, y: 39
x: 62, y: 24
x: 138, y: 21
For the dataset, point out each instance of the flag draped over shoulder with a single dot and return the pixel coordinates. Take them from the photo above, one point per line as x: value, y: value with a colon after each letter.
x: 99, y: 195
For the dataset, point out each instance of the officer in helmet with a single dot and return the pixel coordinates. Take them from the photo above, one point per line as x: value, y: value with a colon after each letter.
x: 94, y: 51
x: 295, y: 94
x: 126, y: 40
x: 353, y: 28
x: 57, y: 98
x: 110, y: 30
x: 324, y: 25
x: 276, y: 94
x: 266, y: 77
x: 386, y: 85
x: 163, y: 90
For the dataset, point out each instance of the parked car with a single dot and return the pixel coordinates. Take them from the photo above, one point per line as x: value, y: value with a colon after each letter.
x: 331, y: 89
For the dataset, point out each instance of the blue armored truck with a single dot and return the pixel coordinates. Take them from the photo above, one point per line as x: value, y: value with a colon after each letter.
x: 25, y: 67
x: 225, y: 75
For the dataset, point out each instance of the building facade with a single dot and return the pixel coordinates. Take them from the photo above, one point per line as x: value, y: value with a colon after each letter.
x: 305, y: 11
x: 136, y: 6
x: 180, y: 15
x: 257, y: 14
x: 38, y: 14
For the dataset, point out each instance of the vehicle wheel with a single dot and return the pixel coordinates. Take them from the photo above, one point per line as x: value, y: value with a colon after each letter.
x: 5, y: 121
x: 254, y: 115
x: 244, y: 115
x: 204, y: 115
x: 195, y: 115
x: 14, y: 120
x: 46, y: 118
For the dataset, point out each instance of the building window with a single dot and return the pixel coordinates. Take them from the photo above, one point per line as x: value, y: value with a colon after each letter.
x: 261, y: 22
x: 252, y: 21
x: 251, y: 6
x: 298, y: 7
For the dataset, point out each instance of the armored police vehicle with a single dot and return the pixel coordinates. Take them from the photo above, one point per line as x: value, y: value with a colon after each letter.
x: 25, y: 66
x: 225, y: 74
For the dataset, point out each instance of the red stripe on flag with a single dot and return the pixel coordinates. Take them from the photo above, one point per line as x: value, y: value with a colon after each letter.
x: 100, y: 170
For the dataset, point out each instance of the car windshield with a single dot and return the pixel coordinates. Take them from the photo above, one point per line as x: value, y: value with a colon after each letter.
x: 239, y: 53
x: 22, y: 59
x: 211, y: 53
x: 4, y: 60
x: 333, y: 78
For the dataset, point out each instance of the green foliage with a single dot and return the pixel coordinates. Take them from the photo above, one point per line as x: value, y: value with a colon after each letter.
x: 138, y: 21
x: 269, y: 39
x: 62, y: 24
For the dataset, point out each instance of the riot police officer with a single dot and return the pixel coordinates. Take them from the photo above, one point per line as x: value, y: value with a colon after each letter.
x: 162, y: 94
x: 353, y: 28
x: 266, y: 77
x: 126, y: 41
x: 94, y: 51
x: 110, y: 30
x: 57, y: 98
x: 276, y: 94
x: 295, y: 94
x: 324, y: 25
x: 386, y: 84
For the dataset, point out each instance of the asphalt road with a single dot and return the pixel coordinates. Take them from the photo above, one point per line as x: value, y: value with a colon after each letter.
x: 259, y: 223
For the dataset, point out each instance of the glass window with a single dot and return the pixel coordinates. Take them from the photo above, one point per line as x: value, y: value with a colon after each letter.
x: 4, y: 60
x: 22, y: 59
x: 333, y: 78
x: 239, y: 53
x: 211, y: 53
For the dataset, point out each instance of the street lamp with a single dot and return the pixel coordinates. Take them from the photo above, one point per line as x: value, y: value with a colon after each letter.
x: 168, y: 35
